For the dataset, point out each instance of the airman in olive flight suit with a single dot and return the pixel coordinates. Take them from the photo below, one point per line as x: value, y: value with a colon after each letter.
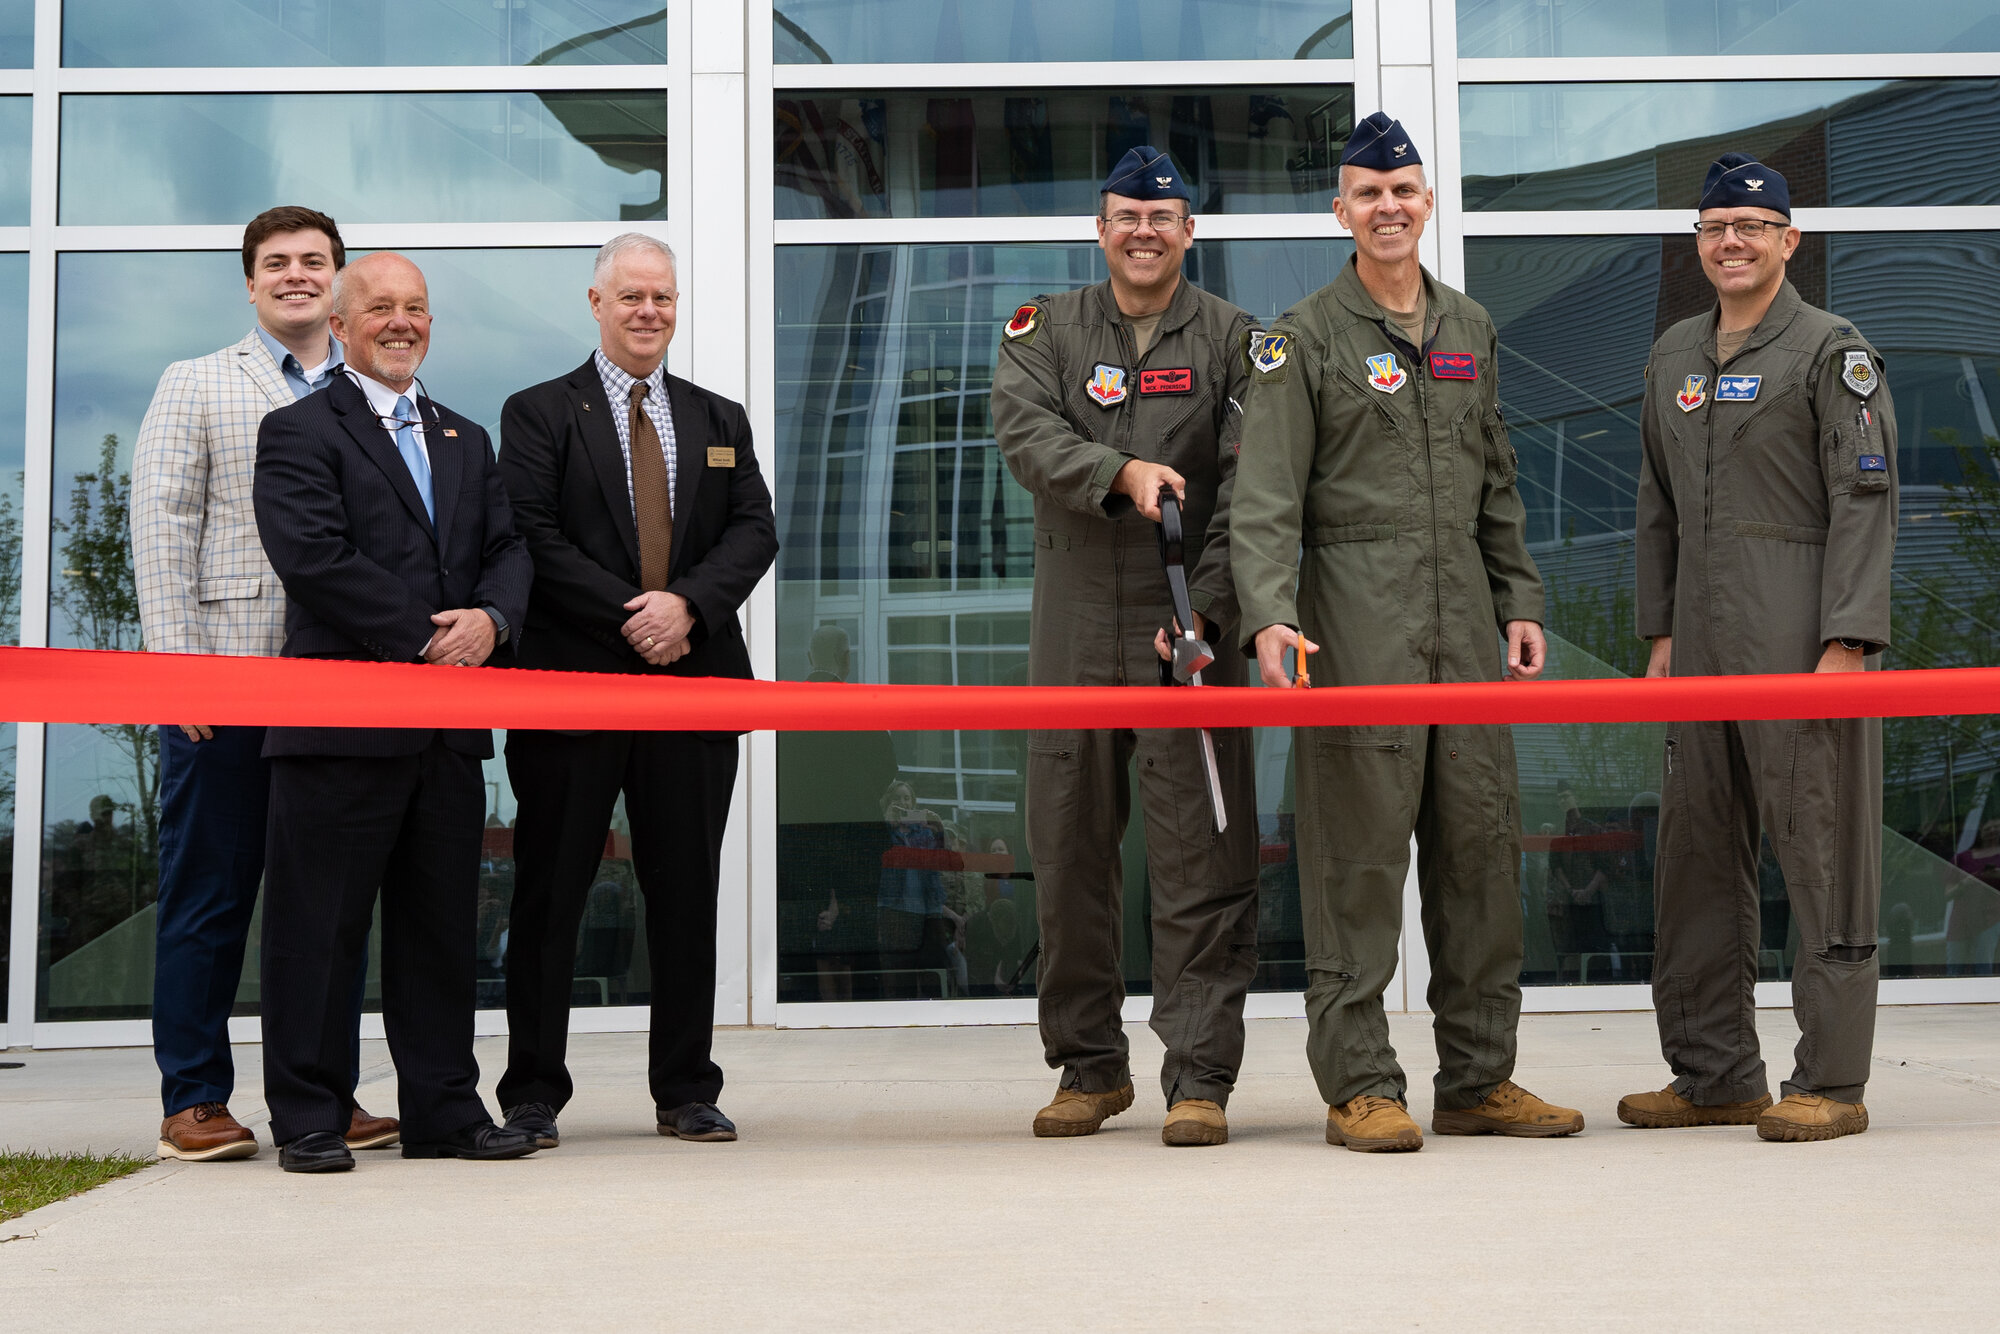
x: 1766, y: 531
x: 1100, y: 397
x: 1372, y: 438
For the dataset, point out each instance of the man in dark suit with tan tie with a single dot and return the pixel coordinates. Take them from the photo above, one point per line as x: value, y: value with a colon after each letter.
x: 649, y: 523
x: 384, y: 515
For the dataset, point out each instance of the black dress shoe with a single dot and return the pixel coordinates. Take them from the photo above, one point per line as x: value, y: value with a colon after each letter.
x: 481, y: 1139
x: 537, y: 1120
x: 697, y: 1120
x: 320, y: 1151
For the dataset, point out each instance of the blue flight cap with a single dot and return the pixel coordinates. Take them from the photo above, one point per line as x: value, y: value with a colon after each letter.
x: 1380, y: 143
x: 1737, y: 180
x: 1147, y: 173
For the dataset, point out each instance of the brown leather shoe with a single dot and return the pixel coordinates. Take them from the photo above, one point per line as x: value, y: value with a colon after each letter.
x: 1807, y: 1116
x: 1075, y: 1112
x: 372, y: 1132
x: 1667, y: 1110
x: 1369, y: 1124
x: 205, y: 1133
x: 1509, y: 1110
x: 1195, y: 1121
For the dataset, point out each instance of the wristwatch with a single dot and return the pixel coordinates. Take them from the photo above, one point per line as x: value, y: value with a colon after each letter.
x: 1852, y: 645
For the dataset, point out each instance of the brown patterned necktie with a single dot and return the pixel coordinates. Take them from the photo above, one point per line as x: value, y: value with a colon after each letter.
x: 650, y: 496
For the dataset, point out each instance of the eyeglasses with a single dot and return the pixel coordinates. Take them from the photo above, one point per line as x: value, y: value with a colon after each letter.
x: 1159, y: 222
x: 1748, y: 229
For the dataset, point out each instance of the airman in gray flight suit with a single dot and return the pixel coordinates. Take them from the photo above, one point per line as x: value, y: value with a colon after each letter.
x: 1101, y: 396
x: 1372, y: 437
x: 1766, y: 529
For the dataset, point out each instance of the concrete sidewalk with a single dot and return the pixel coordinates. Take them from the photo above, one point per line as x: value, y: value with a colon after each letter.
x: 886, y: 1180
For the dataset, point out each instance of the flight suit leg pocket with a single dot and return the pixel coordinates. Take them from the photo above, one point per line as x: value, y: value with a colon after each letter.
x: 1812, y: 798
x: 1676, y: 838
x: 1055, y: 794
x: 1365, y: 785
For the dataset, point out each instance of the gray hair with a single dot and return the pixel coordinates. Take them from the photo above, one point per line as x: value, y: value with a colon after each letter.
x: 623, y: 243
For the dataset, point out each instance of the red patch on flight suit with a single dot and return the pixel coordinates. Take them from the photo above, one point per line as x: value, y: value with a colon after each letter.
x: 1175, y: 380
x: 1023, y: 321
x: 1454, y: 366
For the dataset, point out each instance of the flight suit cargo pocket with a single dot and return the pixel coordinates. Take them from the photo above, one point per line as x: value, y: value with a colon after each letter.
x: 1055, y: 790
x: 222, y: 590
x: 1857, y: 462
x: 1676, y: 838
x: 1812, y: 798
x: 1501, y: 464
x: 1362, y: 780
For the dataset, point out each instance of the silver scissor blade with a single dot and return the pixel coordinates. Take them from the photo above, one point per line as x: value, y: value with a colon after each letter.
x: 1214, y: 781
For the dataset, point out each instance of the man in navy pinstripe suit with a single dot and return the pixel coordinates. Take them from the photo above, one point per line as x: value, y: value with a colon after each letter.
x: 384, y: 515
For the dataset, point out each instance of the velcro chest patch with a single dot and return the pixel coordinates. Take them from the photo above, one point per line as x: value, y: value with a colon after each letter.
x: 1167, y: 380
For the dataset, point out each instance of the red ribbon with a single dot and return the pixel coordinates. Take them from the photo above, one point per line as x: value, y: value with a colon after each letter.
x: 79, y: 686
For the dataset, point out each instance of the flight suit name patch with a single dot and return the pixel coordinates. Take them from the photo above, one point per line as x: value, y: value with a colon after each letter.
x: 1858, y: 373
x: 1168, y: 380
x: 1106, y: 385
x: 1737, y: 388
x: 1385, y: 375
x: 1693, y: 393
x: 1454, y: 366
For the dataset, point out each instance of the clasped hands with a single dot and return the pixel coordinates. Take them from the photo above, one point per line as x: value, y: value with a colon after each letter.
x: 464, y: 638
x: 659, y: 627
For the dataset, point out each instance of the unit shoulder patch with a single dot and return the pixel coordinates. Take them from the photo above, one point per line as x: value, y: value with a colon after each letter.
x: 1268, y: 351
x: 1022, y: 326
x: 1857, y: 372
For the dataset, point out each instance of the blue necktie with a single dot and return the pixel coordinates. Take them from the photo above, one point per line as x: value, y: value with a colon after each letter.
x: 406, y: 445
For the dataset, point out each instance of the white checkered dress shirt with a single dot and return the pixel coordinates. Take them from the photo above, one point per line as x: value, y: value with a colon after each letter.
x: 203, y: 581
x: 618, y: 388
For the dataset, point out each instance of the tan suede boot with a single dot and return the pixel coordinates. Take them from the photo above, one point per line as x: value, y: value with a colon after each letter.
x: 1667, y: 1109
x: 1195, y: 1121
x: 1509, y: 1110
x: 1807, y: 1116
x: 1075, y: 1112
x: 1369, y: 1124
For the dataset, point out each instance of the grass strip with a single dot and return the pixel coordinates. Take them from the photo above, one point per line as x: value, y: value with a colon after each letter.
x: 31, y: 1180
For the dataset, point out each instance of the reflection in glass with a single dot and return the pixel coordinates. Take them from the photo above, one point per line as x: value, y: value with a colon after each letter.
x: 907, y: 556
x: 826, y: 32
x: 919, y: 154
x: 364, y: 157
x: 1721, y: 27
x: 1576, y: 317
x: 16, y: 127
x: 505, y: 319
x: 1648, y: 145
x: 17, y: 35
x: 354, y: 32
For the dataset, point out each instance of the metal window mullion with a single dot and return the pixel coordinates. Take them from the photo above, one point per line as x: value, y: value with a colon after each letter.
x: 407, y: 78
x: 1014, y: 230
x: 38, y: 459
x: 1674, y: 222
x: 1449, y: 221
x: 761, y: 385
x: 1061, y: 74
x: 1704, y: 69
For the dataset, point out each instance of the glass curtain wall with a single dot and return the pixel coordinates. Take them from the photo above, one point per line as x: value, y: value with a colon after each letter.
x: 530, y: 165
x: 907, y: 549
x: 1577, y: 313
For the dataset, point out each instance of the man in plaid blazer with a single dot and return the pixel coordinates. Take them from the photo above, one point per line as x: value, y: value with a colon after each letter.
x: 205, y: 587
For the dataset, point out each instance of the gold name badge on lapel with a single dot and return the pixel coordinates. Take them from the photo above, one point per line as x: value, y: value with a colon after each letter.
x: 721, y: 456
